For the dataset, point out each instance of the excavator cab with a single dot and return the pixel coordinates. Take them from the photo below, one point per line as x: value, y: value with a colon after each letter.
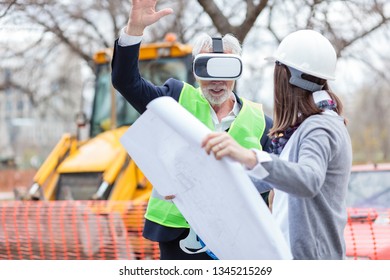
x: 158, y: 62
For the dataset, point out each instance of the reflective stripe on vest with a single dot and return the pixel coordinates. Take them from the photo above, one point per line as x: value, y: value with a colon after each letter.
x: 246, y: 129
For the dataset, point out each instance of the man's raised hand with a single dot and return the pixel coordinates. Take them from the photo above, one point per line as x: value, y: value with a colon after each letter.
x: 143, y: 13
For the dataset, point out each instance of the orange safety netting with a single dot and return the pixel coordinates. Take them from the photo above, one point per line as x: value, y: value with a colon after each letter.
x: 367, y: 234
x: 73, y: 230
x: 100, y: 230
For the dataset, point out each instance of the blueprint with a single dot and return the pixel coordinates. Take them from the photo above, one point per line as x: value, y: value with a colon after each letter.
x: 216, y: 197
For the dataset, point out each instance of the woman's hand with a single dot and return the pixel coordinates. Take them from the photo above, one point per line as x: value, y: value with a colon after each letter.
x: 222, y: 144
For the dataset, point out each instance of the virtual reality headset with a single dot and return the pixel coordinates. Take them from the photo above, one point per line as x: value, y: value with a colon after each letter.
x: 217, y: 66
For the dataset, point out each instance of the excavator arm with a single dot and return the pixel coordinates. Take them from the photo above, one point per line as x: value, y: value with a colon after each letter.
x: 45, y: 179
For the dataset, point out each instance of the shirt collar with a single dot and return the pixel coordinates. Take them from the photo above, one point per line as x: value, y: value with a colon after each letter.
x: 226, y: 121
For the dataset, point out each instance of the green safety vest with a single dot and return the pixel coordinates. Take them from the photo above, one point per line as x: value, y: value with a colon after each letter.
x: 246, y: 129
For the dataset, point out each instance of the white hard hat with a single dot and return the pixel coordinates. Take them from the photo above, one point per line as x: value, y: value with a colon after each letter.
x: 308, y: 51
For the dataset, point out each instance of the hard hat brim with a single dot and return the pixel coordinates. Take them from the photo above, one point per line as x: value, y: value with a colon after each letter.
x: 302, y: 69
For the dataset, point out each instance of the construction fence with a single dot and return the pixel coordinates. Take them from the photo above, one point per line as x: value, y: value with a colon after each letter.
x: 101, y: 230
x: 73, y: 230
x: 367, y: 234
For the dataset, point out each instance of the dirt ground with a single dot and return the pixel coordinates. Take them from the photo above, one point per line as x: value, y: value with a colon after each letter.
x: 10, y: 179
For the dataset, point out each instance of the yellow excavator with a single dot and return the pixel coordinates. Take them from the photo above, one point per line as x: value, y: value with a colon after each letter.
x: 99, y: 167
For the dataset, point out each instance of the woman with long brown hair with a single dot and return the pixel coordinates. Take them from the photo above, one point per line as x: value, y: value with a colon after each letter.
x: 312, y: 155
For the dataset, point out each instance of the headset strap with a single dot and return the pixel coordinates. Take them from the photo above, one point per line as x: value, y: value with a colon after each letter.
x: 217, y: 45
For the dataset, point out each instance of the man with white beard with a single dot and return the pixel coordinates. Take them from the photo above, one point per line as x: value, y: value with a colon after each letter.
x: 214, y: 103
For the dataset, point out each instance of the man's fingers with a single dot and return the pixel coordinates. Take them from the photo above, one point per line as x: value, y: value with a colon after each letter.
x: 164, y: 12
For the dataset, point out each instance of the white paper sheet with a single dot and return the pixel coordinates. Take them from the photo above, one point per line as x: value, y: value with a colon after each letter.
x: 216, y: 197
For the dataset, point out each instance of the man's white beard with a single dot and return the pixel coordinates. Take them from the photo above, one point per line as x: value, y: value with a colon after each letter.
x: 216, y: 100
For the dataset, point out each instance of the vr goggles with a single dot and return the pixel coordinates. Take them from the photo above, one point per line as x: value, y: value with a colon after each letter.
x: 217, y: 65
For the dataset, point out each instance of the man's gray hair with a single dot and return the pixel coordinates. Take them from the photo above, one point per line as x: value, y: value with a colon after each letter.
x: 204, y: 43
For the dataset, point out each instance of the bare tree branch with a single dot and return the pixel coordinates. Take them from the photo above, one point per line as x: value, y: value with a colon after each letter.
x: 8, y: 5
x: 56, y: 30
x: 221, y: 22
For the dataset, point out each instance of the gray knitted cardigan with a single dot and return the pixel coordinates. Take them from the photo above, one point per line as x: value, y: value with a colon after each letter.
x: 316, y: 179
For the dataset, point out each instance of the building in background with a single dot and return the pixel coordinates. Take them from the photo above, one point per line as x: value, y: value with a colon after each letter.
x: 26, y: 137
